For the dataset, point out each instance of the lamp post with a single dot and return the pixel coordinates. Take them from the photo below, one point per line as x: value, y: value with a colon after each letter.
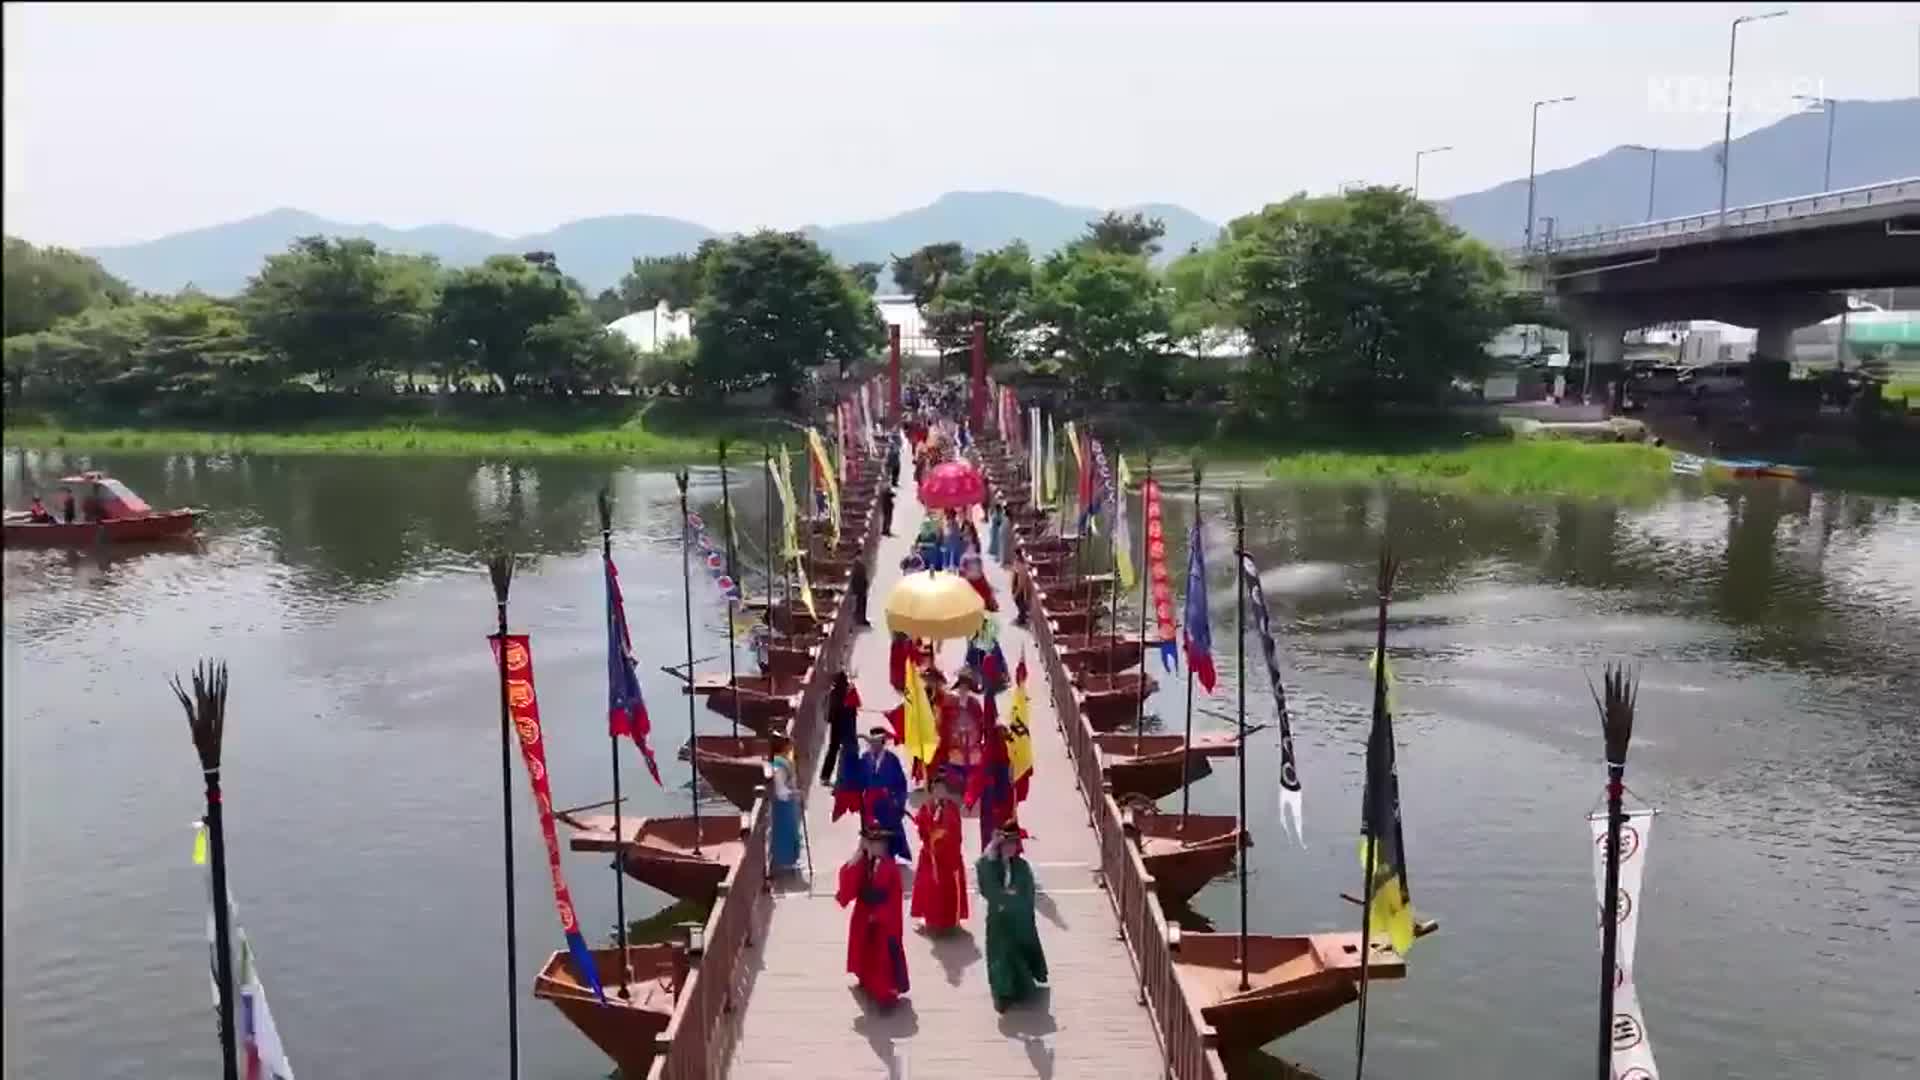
x: 1417, y: 155
x: 1726, y: 130
x: 1828, y: 106
x: 1533, y: 148
x: 1653, y: 170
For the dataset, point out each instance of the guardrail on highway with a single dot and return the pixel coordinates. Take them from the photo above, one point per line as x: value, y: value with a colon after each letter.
x: 1799, y: 207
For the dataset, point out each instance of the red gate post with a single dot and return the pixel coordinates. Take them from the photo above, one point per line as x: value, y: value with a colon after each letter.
x: 893, y: 371
x: 977, y: 415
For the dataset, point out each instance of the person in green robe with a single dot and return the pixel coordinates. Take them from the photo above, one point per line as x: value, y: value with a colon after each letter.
x: 1016, y: 965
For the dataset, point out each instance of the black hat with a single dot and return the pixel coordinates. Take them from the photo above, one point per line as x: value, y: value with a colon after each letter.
x: 879, y: 731
x: 876, y: 832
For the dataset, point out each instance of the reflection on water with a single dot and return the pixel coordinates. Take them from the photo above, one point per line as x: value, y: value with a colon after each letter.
x: 1777, y: 627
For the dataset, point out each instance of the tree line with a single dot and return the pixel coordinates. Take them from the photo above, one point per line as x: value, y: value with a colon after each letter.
x: 342, y: 315
x: 1358, y: 298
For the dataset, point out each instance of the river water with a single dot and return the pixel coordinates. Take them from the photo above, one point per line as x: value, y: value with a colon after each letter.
x: 1778, y: 630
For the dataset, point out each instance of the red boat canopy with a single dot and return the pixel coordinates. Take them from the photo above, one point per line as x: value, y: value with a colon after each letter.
x: 118, y: 499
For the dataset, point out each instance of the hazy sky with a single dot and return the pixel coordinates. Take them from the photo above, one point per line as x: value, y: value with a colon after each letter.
x: 123, y: 123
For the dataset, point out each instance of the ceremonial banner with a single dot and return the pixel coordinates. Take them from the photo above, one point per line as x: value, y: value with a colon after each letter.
x: 923, y: 734
x: 1099, y: 483
x: 823, y: 472
x: 1290, y: 798
x: 523, y: 705
x: 1020, y: 745
x: 1051, y: 466
x: 1157, y: 571
x: 262, y: 1057
x: 1632, y: 1049
x: 1122, y: 535
x: 626, y: 706
x: 782, y: 484
x: 714, y: 556
x: 1199, y: 631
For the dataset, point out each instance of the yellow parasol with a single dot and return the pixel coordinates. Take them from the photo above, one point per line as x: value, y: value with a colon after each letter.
x: 934, y: 606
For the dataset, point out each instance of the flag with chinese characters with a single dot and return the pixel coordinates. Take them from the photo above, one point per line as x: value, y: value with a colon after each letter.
x: 1020, y: 745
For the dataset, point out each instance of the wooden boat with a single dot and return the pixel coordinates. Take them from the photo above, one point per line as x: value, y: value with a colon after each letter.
x: 734, y: 767
x: 1294, y: 980
x: 1111, y: 702
x: 1072, y: 591
x: 1153, y: 765
x: 1049, y: 545
x: 762, y: 702
x: 113, y: 515
x: 685, y: 857
x: 624, y: 1028
x: 1075, y: 619
x: 792, y: 660
x: 1183, y: 857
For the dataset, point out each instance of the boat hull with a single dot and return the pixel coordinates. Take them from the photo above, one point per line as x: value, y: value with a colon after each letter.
x: 1183, y: 856
x: 662, y: 851
x: 624, y: 1028
x: 164, y: 525
x: 1295, y: 980
x: 734, y: 767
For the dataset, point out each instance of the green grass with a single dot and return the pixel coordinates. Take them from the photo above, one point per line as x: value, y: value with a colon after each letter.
x: 661, y: 432
x: 1901, y: 388
x: 1504, y: 467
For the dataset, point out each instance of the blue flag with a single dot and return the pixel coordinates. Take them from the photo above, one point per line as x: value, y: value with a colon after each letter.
x: 1199, y: 631
x: 626, y: 707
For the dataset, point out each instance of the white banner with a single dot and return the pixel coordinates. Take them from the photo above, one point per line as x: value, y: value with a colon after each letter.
x: 1632, y: 1049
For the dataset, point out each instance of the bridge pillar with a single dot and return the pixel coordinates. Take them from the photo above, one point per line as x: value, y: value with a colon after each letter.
x: 1604, y: 327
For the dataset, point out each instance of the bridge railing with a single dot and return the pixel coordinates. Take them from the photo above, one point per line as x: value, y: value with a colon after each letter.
x: 1798, y: 207
x: 698, y: 1042
x: 1185, y: 1039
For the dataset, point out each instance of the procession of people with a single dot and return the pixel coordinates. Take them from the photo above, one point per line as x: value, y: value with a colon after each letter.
x: 969, y: 772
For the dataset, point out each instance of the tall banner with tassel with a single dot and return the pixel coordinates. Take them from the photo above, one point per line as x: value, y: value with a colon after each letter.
x: 1632, y: 1050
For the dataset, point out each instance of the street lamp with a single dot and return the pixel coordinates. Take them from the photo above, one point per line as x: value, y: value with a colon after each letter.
x: 1533, y: 147
x: 1726, y: 131
x: 1828, y: 106
x: 1653, y: 170
x: 1417, y: 155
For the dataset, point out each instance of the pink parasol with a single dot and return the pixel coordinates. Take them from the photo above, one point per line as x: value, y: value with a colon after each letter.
x: 951, y: 486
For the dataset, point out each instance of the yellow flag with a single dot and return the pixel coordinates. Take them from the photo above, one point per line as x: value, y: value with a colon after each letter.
x: 1373, y: 668
x: 1122, y: 534
x: 923, y: 735
x: 199, y: 843
x: 1020, y: 747
x: 1389, y: 911
x: 783, y: 484
x: 824, y: 466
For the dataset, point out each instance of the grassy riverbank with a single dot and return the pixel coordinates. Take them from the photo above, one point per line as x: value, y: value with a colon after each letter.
x: 1504, y: 467
x: 653, y: 432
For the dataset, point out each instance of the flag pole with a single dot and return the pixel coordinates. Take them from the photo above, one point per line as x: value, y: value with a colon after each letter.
x: 1186, y: 767
x: 207, y: 719
x: 686, y: 592
x: 1145, y: 570
x: 1616, y: 725
x: 1369, y: 799
x: 726, y: 517
x: 613, y: 749
x: 500, y: 570
x: 1240, y: 679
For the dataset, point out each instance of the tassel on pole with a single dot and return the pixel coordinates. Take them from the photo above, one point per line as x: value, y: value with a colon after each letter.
x: 500, y: 572
x: 1616, y: 700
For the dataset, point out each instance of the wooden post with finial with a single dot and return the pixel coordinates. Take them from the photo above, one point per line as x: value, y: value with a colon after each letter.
x: 1240, y: 683
x: 726, y: 522
x: 1621, y: 693
x: 500, y: 570
x: 206, y: 712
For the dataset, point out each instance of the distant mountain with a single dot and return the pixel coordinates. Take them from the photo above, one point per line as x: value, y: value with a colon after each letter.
x: 220, y: 258
x: 1872, y: 141
x: 988, y: 219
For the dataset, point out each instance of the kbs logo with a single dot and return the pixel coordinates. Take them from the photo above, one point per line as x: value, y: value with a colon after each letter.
x: 1754, y: 96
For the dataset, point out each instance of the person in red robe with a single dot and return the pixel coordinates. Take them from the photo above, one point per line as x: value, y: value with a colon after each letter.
x: 991, y: 785
x: 940, y: 878
x: 870, y: 882
x: 962, y: 728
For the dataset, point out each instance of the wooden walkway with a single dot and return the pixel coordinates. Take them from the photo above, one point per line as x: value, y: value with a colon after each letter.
x: 803, y: 1019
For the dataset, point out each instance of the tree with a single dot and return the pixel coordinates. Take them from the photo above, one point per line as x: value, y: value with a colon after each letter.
x: 1105, y: 313
x: 44, y: 285
x: 922, y: 273
x: 866, y: 275
x: 1361, y: 297
x: 996, y: 288
x: 608, y: 306
x: 342, y: 310
x: 775, y: 306
x: 487, y: 312
x: 574, y: 352
x: 1125, y: 234
x: 673, y: 278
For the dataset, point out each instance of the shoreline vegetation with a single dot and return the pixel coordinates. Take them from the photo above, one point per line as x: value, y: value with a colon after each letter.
x: 1421, y: 456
